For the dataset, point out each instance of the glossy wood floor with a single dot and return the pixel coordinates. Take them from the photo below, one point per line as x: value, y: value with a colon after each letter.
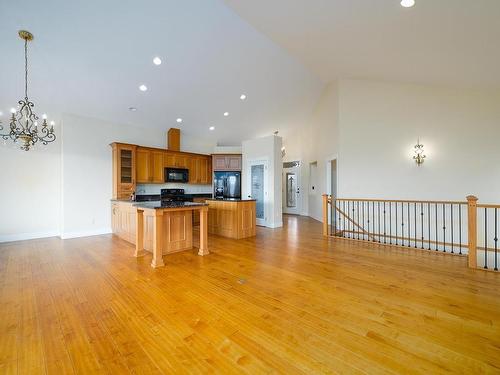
x: 287, y: 302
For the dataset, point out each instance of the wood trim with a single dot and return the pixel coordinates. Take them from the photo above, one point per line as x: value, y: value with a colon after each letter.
x: 488, y: 206
x: 325, y: 214
x: 466, y: 246
x: 399, y: 246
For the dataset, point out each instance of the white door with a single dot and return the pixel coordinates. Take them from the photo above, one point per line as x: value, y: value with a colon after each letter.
x: 291, y: 188
x: 258, y: 189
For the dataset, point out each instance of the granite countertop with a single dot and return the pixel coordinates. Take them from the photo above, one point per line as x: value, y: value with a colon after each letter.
x: 231, y: 199
x: 163, y: 205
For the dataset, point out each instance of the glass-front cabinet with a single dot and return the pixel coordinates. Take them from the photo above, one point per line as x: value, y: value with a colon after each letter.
x: 123, y: 170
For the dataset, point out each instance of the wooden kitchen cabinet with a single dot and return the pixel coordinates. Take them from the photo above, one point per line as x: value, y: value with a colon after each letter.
x: 176, y: 160
x: 230, y: 162
x: 123, y: 220
x: 124, y: 170
x: 150, y: 166
x: 200, y: 170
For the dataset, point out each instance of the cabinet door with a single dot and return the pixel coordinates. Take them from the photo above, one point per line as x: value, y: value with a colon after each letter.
x: 143, y: 166
x: 181, y: 161
x: 203, y: 174
x: 114, y: 217
x: 219, y: 162
x: 157, y: 174
x: 233, y: 162
x: 169, y: 159
x: 194, y: 167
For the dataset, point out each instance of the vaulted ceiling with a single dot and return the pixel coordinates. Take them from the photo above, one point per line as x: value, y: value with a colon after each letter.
x: 89, y: 58
x: 449, y: 42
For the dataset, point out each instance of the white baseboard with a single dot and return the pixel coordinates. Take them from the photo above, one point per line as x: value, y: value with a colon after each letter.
x: 28, y: 236
x: 85, y: 233
x: 275, y: 225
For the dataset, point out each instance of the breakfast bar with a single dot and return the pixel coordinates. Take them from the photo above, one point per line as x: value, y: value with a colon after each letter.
x: 171, y: 228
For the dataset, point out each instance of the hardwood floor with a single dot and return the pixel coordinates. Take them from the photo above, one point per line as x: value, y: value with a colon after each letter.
x: 288, y: 301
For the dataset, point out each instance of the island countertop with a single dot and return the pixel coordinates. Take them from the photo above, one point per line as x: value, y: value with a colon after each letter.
x: 231, y: 199
x: 157, y: 205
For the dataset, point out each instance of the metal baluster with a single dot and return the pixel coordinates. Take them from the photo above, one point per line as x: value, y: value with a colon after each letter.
x: 452, y: 228
x: 373, y: 216
x: 357, y: 205
x: 396, y: 224
x: 403, y: 224
x: 368, y: 216
x: 409, y: 224
x: 485, y: 238
x: 415, y: 218
x: 429, y: 223
x: 353, y: 218
x: 343, y: 226
x: 422, y: 223
x: 496, y: 239
x: 460, y: 227
x: 436, y: 206
x: 444, y: 228
x: 385, y: 228
x: 390, y: 223
x: 378, y: 208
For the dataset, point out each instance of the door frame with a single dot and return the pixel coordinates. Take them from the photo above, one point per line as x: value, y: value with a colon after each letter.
x: 249, y: 164
x: 329, y: 179
x: 297, y: 210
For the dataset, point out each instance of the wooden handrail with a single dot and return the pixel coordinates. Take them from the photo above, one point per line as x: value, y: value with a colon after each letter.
x: 400, y: 201
x: 488, y: 206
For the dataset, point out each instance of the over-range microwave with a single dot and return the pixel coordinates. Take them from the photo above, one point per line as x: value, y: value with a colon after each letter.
x: 176, y: 175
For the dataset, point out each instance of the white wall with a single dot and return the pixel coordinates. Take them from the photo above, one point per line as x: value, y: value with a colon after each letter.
x: 372, y: 128
x: 87, y: 168
x: 30, y: 190
x: 380, y: 124
x: 317, y: 141
x: 266, y: 148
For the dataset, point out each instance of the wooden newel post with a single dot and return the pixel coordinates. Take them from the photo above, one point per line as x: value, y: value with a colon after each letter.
x: 472, y: 230
x: 325, y: 214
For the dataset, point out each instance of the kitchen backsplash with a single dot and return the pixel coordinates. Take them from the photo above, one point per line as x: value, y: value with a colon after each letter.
x: 155, y: 188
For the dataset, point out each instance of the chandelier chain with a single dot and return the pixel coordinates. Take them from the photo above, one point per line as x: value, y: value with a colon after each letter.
x: 26, y: 68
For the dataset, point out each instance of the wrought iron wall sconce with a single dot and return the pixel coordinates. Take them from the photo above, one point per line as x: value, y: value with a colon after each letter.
x: 419, y: 153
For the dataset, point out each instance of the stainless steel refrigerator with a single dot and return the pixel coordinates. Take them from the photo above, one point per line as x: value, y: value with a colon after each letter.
x: 227, y: 185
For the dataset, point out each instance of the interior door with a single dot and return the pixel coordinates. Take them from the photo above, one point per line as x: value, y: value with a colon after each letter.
x: 258, y: 189
x: 291, y: 188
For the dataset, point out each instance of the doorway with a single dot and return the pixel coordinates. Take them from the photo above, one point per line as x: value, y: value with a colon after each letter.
x: 259, y: 189
x: 291, y: 188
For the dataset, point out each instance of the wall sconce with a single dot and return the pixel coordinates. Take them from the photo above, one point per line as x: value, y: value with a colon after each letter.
x: 419, y: 153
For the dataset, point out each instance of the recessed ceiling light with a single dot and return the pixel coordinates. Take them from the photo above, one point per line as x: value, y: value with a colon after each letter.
x: 143, y: 88
x: 12, y: 110
x: 179, y: 120
x: 211, y: 128
x: 133, y: 109
x: 226, y: 114
x: 407, y: 3
x: 243, y: 97
x: 1, y: 113
x: 157, y: 60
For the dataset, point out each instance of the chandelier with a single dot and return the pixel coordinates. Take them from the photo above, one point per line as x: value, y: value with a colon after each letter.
x: 23, y: 121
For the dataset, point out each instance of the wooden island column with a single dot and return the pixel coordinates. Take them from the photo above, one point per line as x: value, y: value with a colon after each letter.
x: 203, y: 231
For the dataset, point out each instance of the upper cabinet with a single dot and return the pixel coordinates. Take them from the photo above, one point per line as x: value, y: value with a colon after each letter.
x: 150, y: 164
x: 124, y: 170
x: 226, y: 162
x: 145, y: 165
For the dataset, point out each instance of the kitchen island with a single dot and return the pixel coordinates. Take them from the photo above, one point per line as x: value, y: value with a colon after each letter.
x: 232, y: 218
x: 160, y: 227
x: 172, y: 228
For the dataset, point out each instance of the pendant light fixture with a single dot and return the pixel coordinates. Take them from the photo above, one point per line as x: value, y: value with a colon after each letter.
x: 23, y: 121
